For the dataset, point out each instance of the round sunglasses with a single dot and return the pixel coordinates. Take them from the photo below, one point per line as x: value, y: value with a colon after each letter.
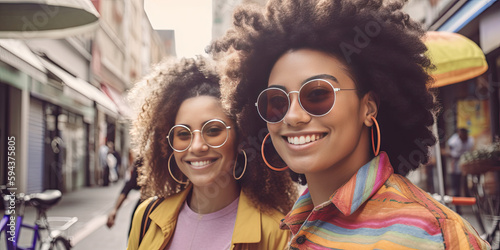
x: 214, y: 132
x: 316, y: 97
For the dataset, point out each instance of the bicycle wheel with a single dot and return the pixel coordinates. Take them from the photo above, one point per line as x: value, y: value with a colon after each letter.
x: 60, y: 243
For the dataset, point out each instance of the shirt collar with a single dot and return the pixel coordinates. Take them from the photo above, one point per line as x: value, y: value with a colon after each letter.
x: 348, y: 198
x: 366, y: 182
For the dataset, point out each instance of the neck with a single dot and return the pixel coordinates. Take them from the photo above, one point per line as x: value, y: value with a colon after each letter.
x: 209, y: 199
x: 323, y: 184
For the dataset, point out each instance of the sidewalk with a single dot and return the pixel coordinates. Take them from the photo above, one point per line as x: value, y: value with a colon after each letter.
x: 90, y: 205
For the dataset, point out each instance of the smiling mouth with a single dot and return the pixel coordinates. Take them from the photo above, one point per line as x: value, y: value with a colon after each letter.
x: 200, y: 163
x: 303, y: 139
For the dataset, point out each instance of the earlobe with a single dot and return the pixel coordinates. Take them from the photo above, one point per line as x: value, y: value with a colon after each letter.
x: 371, y: 107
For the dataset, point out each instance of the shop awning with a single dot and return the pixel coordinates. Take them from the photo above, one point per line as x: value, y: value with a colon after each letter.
x: 46, y: 18
x: 17, y: 54
x: 83, y: 87
x: 465, y: 14
x: 455, y: 56
x: 119, y: 100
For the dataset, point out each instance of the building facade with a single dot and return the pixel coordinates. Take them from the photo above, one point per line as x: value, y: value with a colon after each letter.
x: 62, y: 99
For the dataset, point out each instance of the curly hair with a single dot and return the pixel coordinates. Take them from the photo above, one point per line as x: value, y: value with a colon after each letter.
x: 380, y: 45
x: 157, y: 99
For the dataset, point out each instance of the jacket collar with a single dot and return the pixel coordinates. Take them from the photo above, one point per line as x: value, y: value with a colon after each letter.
x: 165, y: 215
x: 247, y: 227
x: 365, y: 183
x: 348, y: 198
x: 248, y: 222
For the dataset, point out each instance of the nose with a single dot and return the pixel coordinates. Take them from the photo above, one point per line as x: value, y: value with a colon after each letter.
x: 296, y: 115
x: 198, y: 144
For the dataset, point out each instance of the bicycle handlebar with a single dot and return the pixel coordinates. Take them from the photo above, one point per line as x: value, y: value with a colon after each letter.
x: 455, y: 200
x: 463, y: 200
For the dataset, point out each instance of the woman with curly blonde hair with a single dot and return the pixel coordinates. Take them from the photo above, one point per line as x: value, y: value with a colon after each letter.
x: 208, y: 193
x: 341, y: 87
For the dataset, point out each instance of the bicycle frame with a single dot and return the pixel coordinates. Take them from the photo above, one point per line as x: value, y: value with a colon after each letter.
x: 12, y: 239
x: 9, y: 239
x: 12, y: 221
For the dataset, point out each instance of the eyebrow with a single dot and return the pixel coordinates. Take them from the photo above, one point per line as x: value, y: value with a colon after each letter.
x: 278, y: 87
x: 203, y: 123
x: 321, y: 76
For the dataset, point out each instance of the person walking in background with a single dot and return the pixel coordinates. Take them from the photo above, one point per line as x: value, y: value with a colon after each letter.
x: 130, y: 184
x: 210, y: 195
x: 113, y: 159
x: 430, y: 168
x: 459, y: 143
x: 103, y: 160
x: 341, y: 86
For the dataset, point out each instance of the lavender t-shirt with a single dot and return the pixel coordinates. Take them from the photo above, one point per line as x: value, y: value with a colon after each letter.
x: 204, y: 231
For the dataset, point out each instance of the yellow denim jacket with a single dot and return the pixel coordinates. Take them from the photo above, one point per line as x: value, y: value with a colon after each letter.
x: 252, y: 229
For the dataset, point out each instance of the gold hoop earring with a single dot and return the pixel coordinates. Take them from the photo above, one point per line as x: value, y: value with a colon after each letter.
x: 376, y: 151
x: 170, y: 171
x: 244, y: 167
x: 264, y: 157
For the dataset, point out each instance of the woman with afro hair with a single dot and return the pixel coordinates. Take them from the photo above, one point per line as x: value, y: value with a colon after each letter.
x: 205, y: 194
x: 341, y: 88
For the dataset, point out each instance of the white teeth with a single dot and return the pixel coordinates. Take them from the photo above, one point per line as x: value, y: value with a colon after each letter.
x: 200, y: 163
x: 299, y: 140
x: 302, y: 140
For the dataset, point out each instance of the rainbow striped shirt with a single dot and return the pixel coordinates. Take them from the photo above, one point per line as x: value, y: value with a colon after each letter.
x: 377, y: 209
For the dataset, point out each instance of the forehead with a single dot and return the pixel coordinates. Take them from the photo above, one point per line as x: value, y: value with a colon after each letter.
x: 294, y: 67
x: 197, y: 110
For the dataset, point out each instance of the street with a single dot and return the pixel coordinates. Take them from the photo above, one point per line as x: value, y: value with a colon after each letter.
x: 98, y: 236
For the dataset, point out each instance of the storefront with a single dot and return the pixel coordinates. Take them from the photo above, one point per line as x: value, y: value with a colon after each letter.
x: 467, y: 101
x: 53, y: 116
x: 477, y: 100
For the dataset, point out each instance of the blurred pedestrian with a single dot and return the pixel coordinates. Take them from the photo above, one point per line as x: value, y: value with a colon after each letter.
x: 210, y: 196
x: 130, y: 184
x: 459, y: 143
x: 341, y: 86
x: 113, y: 160
x: 430, y: 168
x: 103, y: 160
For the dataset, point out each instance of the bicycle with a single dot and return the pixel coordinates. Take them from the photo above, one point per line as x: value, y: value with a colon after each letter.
x: 12, y: 221
x: 487, y: 208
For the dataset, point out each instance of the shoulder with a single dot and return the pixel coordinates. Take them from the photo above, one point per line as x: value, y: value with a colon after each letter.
x: 412, y: 203
x: 273, y: 217
x: 459, y: 234
x: 133, y: 240
x: 273, y: 237
x: 142, y: 208
x: 250, y: 210
x: 434, y: 216
x: 261, y: 227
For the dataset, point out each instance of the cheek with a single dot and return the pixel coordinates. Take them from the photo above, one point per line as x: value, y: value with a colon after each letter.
x: 274, y: 127
x: 228, y: 153
x: 177, y: 159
